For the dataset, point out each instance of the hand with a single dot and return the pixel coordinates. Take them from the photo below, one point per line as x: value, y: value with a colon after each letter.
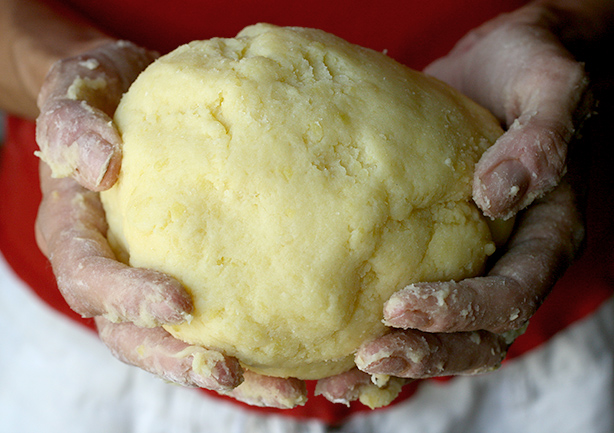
x: 74, y: 130
x: 465, y: 327
x: 516, y: 67
x: 129, y: 304
x: 78, y: 140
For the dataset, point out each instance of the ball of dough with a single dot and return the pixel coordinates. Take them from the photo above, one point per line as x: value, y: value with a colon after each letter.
x: 292, y: 182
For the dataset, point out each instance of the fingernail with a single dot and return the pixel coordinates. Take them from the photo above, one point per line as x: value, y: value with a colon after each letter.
x: 212, y: 370
x: 405, y: 319
x: 371, y: 361
x: 392, y: 366
x: 170, y: 314
x: 403, y: 311
x: 95, y: 155
x: 156, y: 313
x: 228, y: 374
x: 274, y: 392
x: 505, y: 187
x: 164, y: 298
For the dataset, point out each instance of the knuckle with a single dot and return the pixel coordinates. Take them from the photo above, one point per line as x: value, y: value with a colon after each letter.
x: 453, y: 321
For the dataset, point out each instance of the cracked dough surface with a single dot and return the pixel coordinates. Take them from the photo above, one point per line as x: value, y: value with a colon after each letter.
x: 293, y: 181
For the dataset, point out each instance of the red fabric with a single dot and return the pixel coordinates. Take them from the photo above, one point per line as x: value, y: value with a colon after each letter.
x: 413, y: 32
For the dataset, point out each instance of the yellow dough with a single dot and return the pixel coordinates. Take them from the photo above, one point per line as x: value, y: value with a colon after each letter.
x: 292, y: 182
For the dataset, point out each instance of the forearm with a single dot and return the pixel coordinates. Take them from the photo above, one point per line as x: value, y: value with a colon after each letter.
x: 33, y: 35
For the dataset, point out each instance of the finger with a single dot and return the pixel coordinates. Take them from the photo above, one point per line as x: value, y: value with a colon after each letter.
x: 527, y: 161
x: 74, y: 130
x: 548, y: 236
x: 373, y: 391
x: 343, y: 388
x: 536, y: 88
x: 80, y: 141
x: 71, y: 230
x: 156, y: 351
x: 415, y: 354
x: 267, y: 391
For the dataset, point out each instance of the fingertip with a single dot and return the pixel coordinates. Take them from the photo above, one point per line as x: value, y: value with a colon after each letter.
x: 144, y: 297
x: 342, y: 388
x: 167, y: 304
x: 423, y: 306
x: 371, y: 390
x: 108, y: 177
x: 377, y: 356
x: 267, y: 391
x: 158, y: 352
x: 165, y: 313
x: 215, y: 371
x: 503, y: 190
x: 229, y: 373
x: 397, y: 314
x: 99, y: 160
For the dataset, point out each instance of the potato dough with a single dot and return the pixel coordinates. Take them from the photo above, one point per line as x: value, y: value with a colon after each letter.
x: 293, y: 181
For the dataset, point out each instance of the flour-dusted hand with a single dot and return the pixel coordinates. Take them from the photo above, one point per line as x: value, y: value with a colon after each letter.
x: 129, y: 304
x: 75, y: 132
x: 465, y: 327
x: 156, y: 351
x: 548, y: 237
x: 81, y: 153
x: 71, y: 229
x: 518, y: 67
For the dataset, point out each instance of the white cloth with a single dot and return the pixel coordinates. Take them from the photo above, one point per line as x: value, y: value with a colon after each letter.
x: 56, y: 376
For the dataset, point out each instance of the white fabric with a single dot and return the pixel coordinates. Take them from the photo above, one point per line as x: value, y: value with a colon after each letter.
x: 56, y: 376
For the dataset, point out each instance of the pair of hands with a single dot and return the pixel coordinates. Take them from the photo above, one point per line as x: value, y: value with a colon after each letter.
x: 514, y: 65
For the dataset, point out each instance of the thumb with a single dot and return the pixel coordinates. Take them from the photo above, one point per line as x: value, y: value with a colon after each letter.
x: 516, y: 67
x: 74, y: 130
